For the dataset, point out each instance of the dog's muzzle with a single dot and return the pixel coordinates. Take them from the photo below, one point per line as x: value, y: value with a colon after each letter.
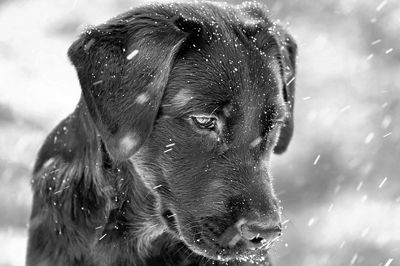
x: 251, y: 234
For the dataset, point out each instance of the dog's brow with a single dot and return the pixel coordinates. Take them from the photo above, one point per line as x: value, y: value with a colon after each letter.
x: 204, y: 108
x: 187, y: 101
x: 182, y: 98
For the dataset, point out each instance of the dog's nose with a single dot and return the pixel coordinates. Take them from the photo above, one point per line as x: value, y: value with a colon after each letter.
x: 252, y: 234
x: 259, y: 233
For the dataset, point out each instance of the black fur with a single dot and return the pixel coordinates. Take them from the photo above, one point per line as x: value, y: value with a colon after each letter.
x: 128, y: 178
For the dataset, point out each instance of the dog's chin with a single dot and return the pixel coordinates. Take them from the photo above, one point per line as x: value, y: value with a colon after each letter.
x: 211, y: 251
x: 208, y: 248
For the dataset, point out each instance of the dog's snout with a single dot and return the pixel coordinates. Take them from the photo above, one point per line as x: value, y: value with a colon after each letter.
x: 252, y: 234
x: 260, y: 233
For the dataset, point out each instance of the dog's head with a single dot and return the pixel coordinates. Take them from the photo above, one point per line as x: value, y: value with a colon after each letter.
x: 197, y: 96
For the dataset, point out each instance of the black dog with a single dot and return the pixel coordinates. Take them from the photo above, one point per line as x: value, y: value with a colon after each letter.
x: 165, y: 160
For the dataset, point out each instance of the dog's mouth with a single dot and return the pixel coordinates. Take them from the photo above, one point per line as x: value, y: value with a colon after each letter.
x: 205, y: 245
x: 211, y: 249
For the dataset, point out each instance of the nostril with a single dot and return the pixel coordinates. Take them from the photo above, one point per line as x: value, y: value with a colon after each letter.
x: 258, y: 235
x: 256, y: 240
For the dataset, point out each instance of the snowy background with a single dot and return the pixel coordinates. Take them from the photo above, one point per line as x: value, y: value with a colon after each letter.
x: 340, y: 180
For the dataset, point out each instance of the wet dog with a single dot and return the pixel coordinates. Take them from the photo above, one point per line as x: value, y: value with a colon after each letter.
x: 165, y: 160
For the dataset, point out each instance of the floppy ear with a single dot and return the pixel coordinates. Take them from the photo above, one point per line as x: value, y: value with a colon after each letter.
x: 288, y: 49
x: 123, y: 68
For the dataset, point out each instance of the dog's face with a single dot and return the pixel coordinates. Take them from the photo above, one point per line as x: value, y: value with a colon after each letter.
x: 197, y: 97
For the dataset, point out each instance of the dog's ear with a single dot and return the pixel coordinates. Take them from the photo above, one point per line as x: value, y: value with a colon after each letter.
x: 123, y: 68
x: 288, y: 49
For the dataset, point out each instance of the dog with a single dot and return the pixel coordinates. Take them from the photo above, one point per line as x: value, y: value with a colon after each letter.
x: 165, y: 160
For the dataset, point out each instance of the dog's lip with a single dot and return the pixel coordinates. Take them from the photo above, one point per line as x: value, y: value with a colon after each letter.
x: 213, y: 251
x: 225, y: 255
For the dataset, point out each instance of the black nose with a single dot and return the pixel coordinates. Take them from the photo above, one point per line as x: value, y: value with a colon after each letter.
x: 252, y: 234
x: 259, y: 233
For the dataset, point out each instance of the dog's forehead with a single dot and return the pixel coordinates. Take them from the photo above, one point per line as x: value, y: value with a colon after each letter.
x: 226, y: 66
x: 226, y: 71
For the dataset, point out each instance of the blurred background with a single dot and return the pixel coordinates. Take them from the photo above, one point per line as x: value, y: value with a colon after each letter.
x: 339, y: 182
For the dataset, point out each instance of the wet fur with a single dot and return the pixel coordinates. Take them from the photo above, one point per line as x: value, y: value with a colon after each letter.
x: 92, y: 205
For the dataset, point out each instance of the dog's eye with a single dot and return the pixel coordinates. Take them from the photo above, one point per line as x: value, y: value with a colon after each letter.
x: 205, y: 122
